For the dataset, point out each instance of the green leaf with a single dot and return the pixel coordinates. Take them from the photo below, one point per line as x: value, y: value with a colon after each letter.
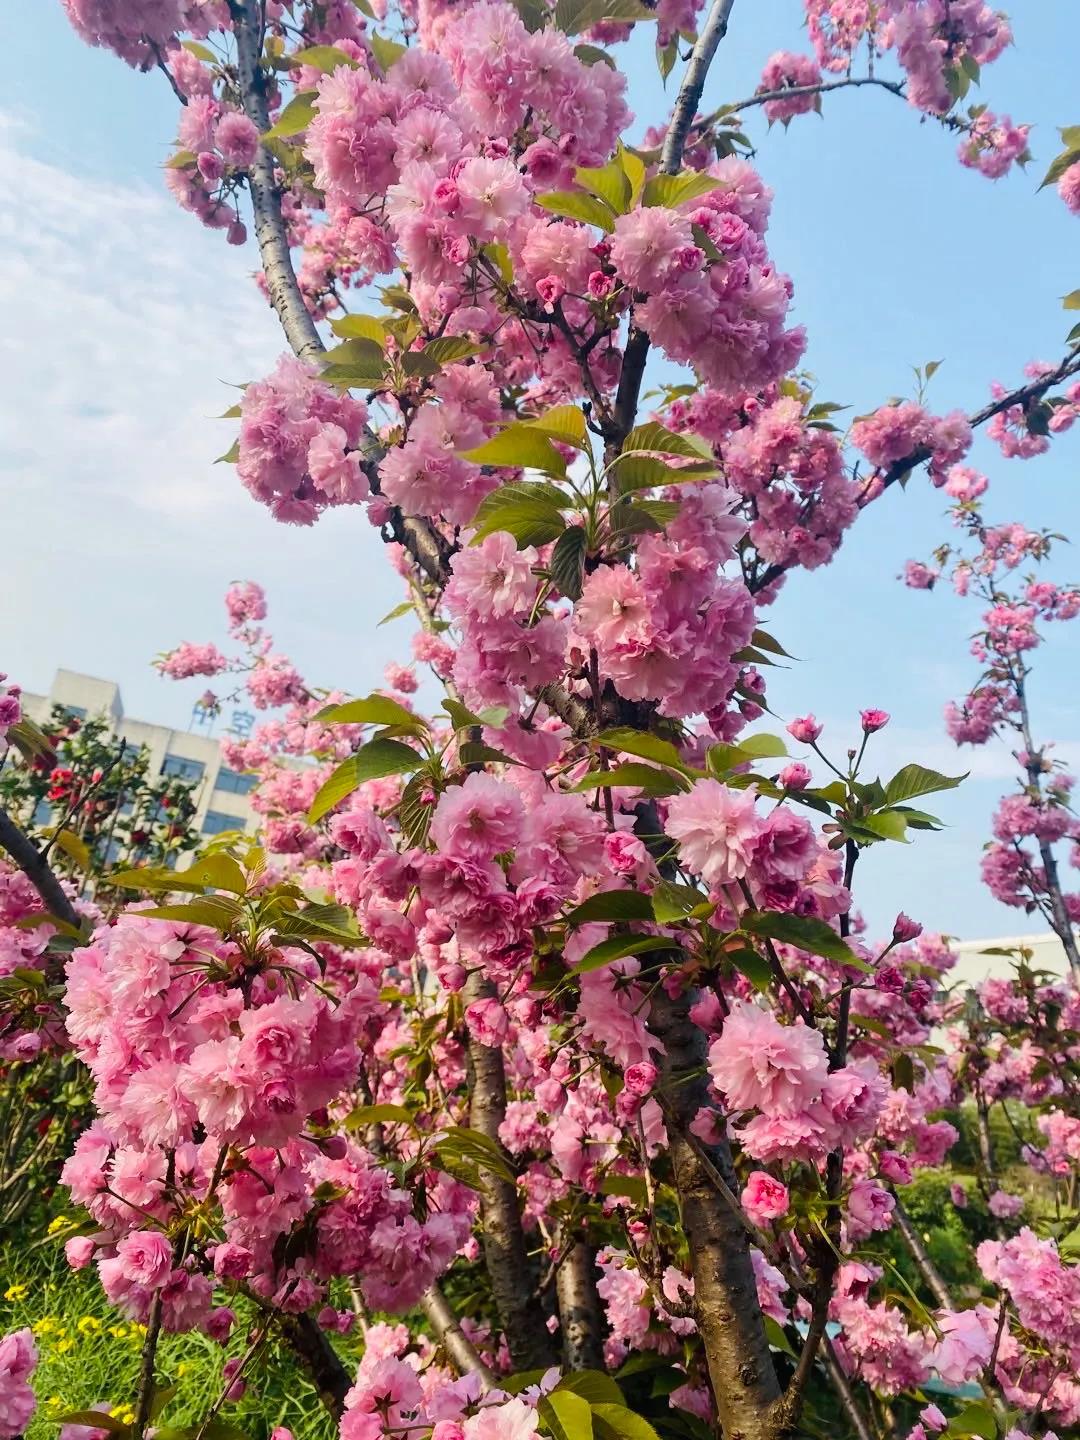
x: 648, y: 778
x: 326, y: 58
x: 217, y: 911
x: 886, y: 824
x: 1070, y: 136
x: 386, y: 52
x: 672, y: 903
x: 593, y: 55
x: 99, y: 1419
x: 445, y: 349
x: 371, y: 762
x: 576, y: 205
x: 365, y: 1115
x: 594, y: 1386
x: 405, y: 608
x: 764, y: 641
x: 1059, y: 165
x: 231, y: 455
x: 219, y: 870
x: 565, y: 423
x: 374, y: 710
x: 297, y: 115
x: 803, y: 931
x: 201, y: 52
x: 153, y: 879
x: 611, y: 905
x: 672, y: 190
x: 525, y: 510
x: 360, y: 327
x: 645, y: 472
x: 616, y: 948
x: 641, y: 743
x: 655, y: 437
x: 520, y: 446
x: 569, y: 1416
x: 357, y: 353
x: 74, y: 847
x: 467, y: 1144
x: 568, y: 561
x: 610, y: 183
x: 774, y: 1333
x: 754, y: 966
x: 763, y: 747
x: 975, y: 1419
x: 620, y: 1422
x: 573, y: 16
x: 321, y: 922
x: 914, y: 780
x: 1071, y: 301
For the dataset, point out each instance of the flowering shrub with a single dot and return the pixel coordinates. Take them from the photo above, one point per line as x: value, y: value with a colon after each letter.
x: 537, y: 1039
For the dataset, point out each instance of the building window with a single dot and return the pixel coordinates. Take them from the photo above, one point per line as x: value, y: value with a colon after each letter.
x: 182, y: 768
x: 216, y: 822
x: 74, y: 712
x: 42, y: 814
x: 234, y: 782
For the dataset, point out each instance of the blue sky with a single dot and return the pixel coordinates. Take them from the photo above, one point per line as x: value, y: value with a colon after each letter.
x: 125, y: 321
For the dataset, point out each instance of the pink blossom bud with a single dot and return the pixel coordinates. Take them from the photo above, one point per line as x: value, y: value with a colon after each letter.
x: 905, y: 928
x: 805, y: 729
x: 895, y: 1167
x: 640, y: 1079
x: 795, y: 776
x: 599, y: 285
x: 764, y: 1198
x: 891, y: 979
x: 874, y: 720
x: 447, y: 1430
x: 933, y: 1418
x: 79, y: 1251
x: 958, y: 1195
x: 237, y: 233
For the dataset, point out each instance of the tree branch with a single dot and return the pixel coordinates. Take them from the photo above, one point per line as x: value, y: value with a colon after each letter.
x: 791, y: 92
x: 319, y: 1359
x: 693, y: 85
x: 447, y: 1327
x: 925, y: 1266
x: 505, y: 1252
x: 36, y: 869
x: 581, y: 1315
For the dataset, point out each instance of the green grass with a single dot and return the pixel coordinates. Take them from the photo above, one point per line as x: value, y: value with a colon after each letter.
x: 89, y: 1355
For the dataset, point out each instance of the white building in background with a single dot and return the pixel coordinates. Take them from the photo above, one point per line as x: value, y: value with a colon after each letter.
x: 979, y: 959
x: 221, y: 794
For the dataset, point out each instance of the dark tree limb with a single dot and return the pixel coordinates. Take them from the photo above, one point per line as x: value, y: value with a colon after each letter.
x: 35, y: 867
x: 693, y: 85
x: 319, y: 1359
x: 581, y: 1314
x: 505, y: 1253
x: 462, y: 1352
x: 919, y: 1253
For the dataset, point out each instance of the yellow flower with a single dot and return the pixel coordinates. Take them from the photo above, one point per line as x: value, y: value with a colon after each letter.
x: 118, y: 1331
x: 18, y: 1291
x: 182, y: 1368
x: 58, y: 1224
x: 65, y: 1345
x: 56, y: 1402
x: 89, y: 1324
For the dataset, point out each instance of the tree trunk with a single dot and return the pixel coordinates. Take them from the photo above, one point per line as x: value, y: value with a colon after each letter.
x: 581, y: 1313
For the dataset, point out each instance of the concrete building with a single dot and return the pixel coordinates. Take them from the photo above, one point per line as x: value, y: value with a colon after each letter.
x: 221, y: 794
x: 977, y: 961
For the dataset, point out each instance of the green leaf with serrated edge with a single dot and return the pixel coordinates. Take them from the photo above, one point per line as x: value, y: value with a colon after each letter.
x: 378, y: 1115
x: 630, y: 1187
x: 886, y: 825
x: 373, y: 710
x: 1070, y: 136
x: 359, y: 353
x: 1058, y: 167
x: 633, y: 777
x: 567, y: 563
x: 611, y: 905
x: 386, y: 52
x: 644, y: 745
x: 569, y: 1417
x: 405, y: 608
x: 672, y: 190
x: 754, y: 966
x: 475, y: 752
x: 672, y: 903
x: 764, y: 641
x: 360, y: 327
x: 803, y: 931
x: 231, y: 456
x: 216, y: 911
x: 564, y: 423
x: 480, y: 1149
x: 218, y: 870
x: 915, y: 780
x: 635, y: 169
x: 97, y: 1419
x: 625, y: 1423
x: 373, y: 761
x: 576, y: 205
x: 653, y: 512
x: 609, y: 183
x: 415, y: 809
x: 653, y: 436
x: 646, y: 472
x: 520, y: 446
x: 617, y: 948
x: 296, y: 116
x: 523, y: 510
x: 445, y: 349
x: 326, y: 58
x: 74, y: 847
x: 151, y: 879
x: 594, y: 1386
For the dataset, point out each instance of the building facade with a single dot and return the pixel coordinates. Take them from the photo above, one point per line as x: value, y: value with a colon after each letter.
x: 221, y: 794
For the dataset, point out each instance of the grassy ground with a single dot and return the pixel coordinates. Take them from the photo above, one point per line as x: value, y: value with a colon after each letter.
x: 88, y: 1356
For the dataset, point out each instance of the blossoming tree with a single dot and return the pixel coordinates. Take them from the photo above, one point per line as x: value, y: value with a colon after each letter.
x: 544, y: 1019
